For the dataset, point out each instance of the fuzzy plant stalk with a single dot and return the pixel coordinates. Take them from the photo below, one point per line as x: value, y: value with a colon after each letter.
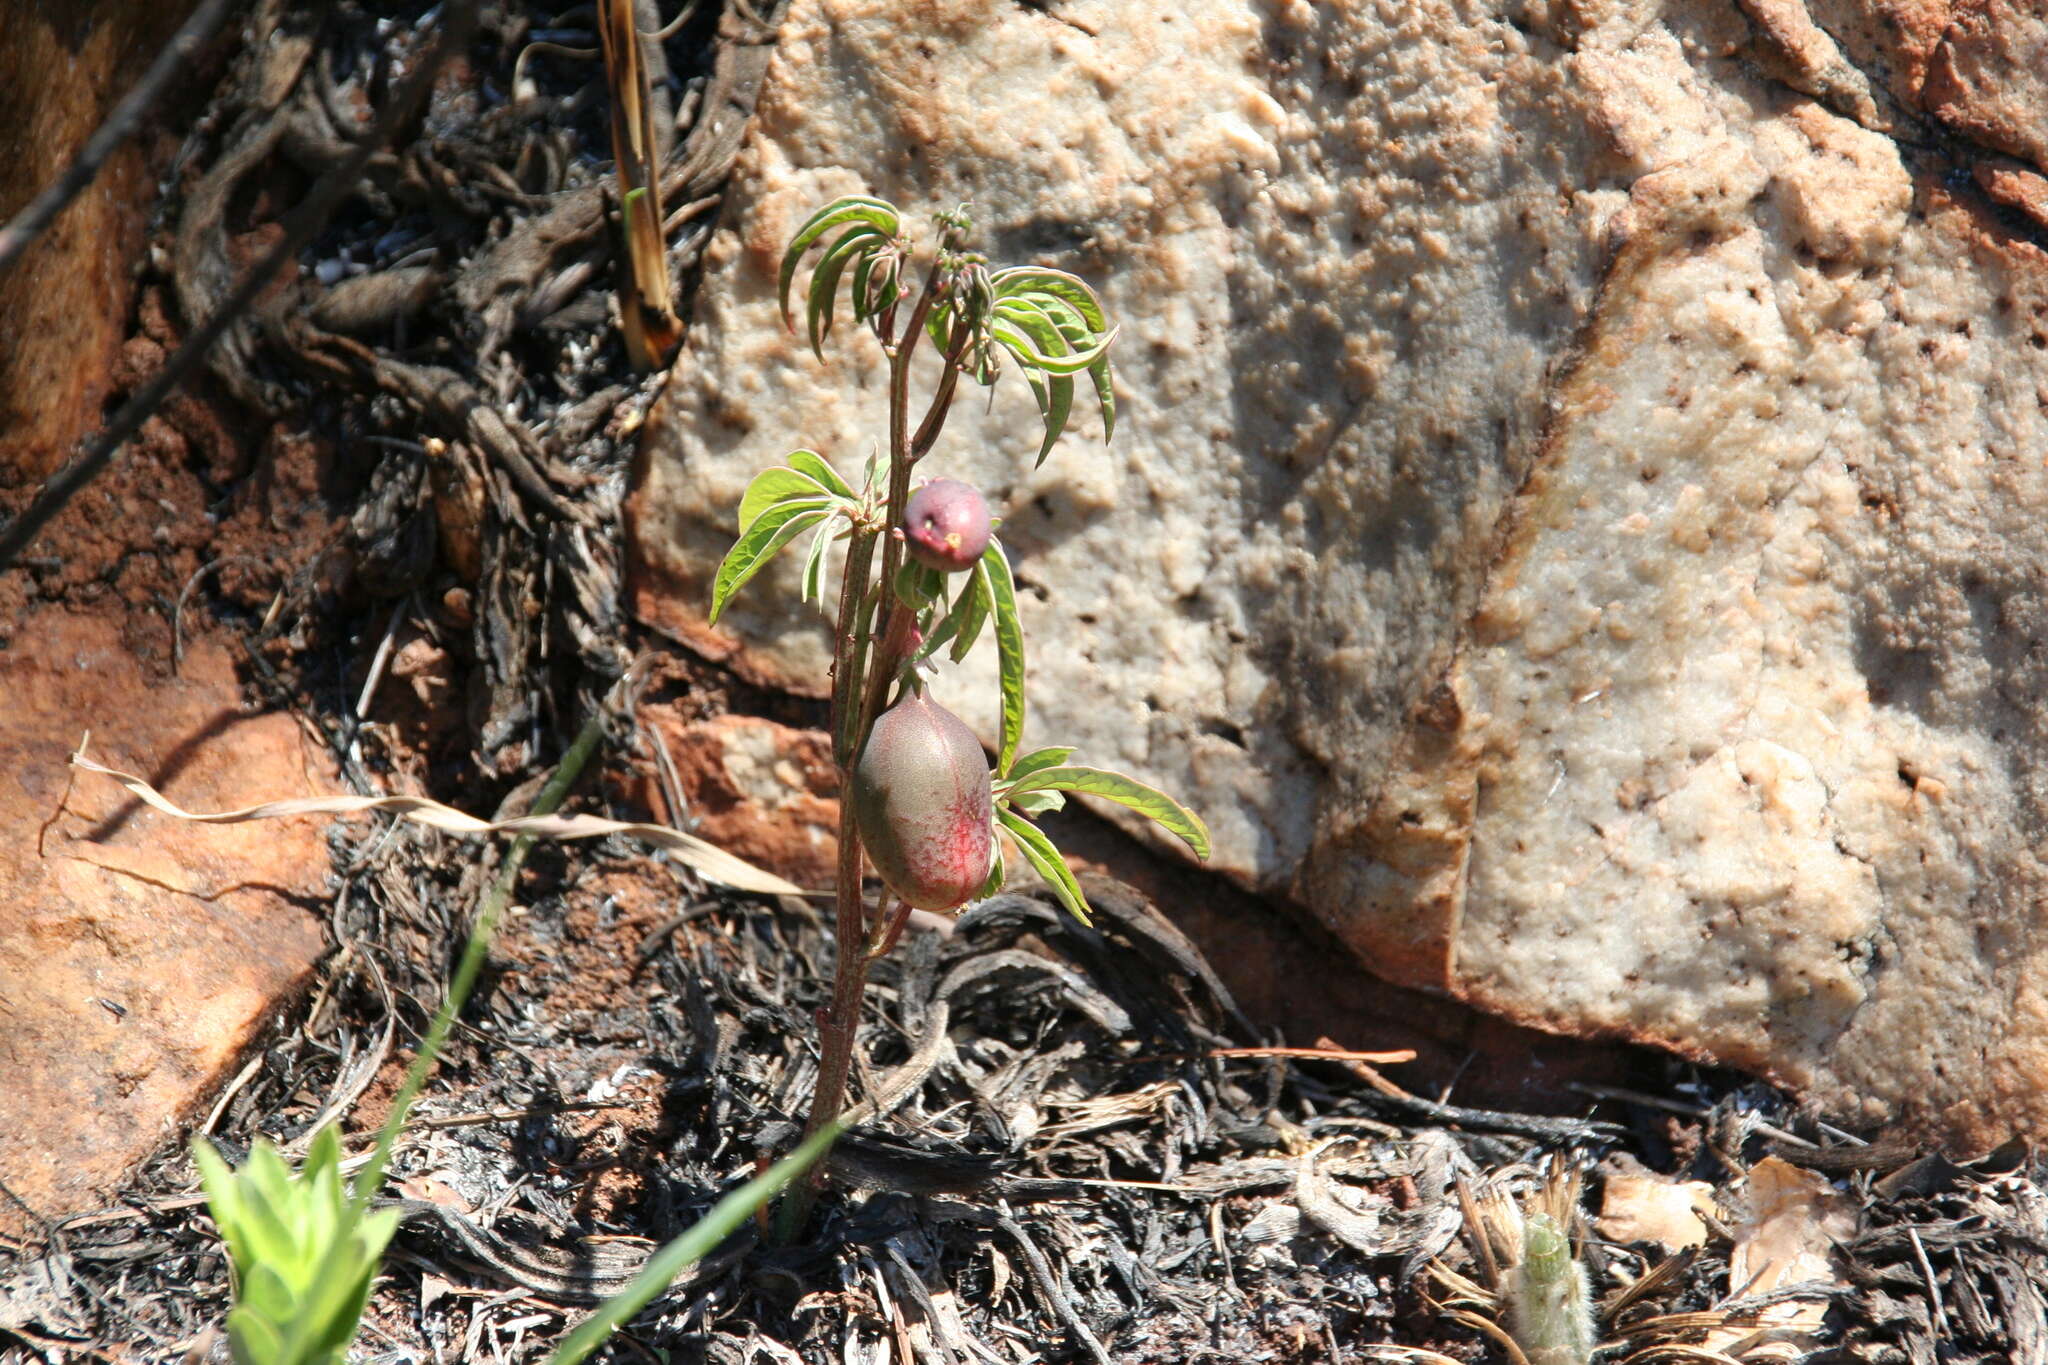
x: 924, y: 578
x: 1550, y: 1309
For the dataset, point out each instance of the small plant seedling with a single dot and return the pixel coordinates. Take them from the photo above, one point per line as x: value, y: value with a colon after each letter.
x: 304, y: 1254
x: 922, y: 801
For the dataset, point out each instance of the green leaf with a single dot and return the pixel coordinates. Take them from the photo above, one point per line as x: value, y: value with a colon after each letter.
x: 813, y: 465
x: 854, y: 208
x: 1148, y: 801
x: 968, y: 612
x: 972, y: 610
x: 919, y: 585
x: 1038, y: 802
x: 1038, y: 760
x: 727, y: 1216
x: 265, y: 1292
x: 1046, y: 861
x: 858, y: 240
x: 770, y: 531
x: 1036, y: 323
x: 327, y: 1316
x: 1018, y: 340
x: 995, y: 874
x: 1105, y: 393
x: 1068, y: 289
x: 252, y: 1341
x: 1078, y: 313
x: 1055, y: 395
x: 223, y: 1200
x: 774, y: 485
x: 1009, y: 650
x: 863, y: 278
x: 868, y: 300
x: 814, y: 563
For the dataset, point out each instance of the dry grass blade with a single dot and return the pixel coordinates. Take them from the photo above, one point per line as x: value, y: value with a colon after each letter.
x: 646, y: 299
x: 708, y: 859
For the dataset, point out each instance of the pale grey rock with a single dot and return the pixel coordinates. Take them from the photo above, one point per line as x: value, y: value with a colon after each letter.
x: 1339, y: 298
x: 1575, y: 523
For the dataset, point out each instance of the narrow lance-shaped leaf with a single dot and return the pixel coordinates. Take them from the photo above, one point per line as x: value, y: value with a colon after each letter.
x: 1038, y: 760
x: 774, y: 485
x: 1020, y: 343
x: 770, y: 531
x: 814, y: 562
x: 1055, y: 395
x: 863, y: 278
x: 1009, y: 651
x: 1046, y: 861
x: 1079, y: 328
x: 853, y: 208
x: 996, y: 875
x: 1105, y: 393
x: 948, y: 628
x: 814, y: 465
x: 971, y: 611
x: 858, y: 240
x: 1148, y: 801
x: 1038, y: 279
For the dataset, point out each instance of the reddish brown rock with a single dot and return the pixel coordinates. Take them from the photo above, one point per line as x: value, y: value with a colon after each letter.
x: 762, y: 791
x: 138, y: 955
x: 1989, y: 78
x: 64, y: 304
x: 2014, y: 187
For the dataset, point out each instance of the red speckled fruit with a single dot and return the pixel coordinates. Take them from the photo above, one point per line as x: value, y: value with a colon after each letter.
x: 921, y: 800
x: 945, y: 523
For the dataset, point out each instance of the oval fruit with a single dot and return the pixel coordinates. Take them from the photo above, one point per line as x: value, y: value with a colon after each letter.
x: 921, y: 801
x: 946, y: 525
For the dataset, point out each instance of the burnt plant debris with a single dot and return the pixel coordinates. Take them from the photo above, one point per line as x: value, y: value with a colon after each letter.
x: 1072, y: 1145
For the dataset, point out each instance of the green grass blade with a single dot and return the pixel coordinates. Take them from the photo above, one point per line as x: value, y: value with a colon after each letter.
x: 725, y: 1218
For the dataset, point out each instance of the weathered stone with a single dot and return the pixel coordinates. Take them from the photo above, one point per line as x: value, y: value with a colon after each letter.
x: 1575, y: 521
x: 762, y: 791
x: 64, y: 304
x: 1989, y: 78
x: 138, y: 955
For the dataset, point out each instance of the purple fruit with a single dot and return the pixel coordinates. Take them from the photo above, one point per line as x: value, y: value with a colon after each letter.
x: 946, y: 525
x: 921, y: 801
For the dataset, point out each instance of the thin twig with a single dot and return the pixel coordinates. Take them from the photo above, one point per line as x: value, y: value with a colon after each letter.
x: 27, y: 225
x: 1933, y: 1286
x: 302, y: 224
x: 1307, y: 1054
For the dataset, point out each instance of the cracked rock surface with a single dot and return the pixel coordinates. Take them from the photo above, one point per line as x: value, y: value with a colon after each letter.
x: 1575, y: 523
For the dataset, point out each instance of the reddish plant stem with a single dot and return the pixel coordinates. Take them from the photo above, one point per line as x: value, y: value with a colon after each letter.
x: 853, y: 705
